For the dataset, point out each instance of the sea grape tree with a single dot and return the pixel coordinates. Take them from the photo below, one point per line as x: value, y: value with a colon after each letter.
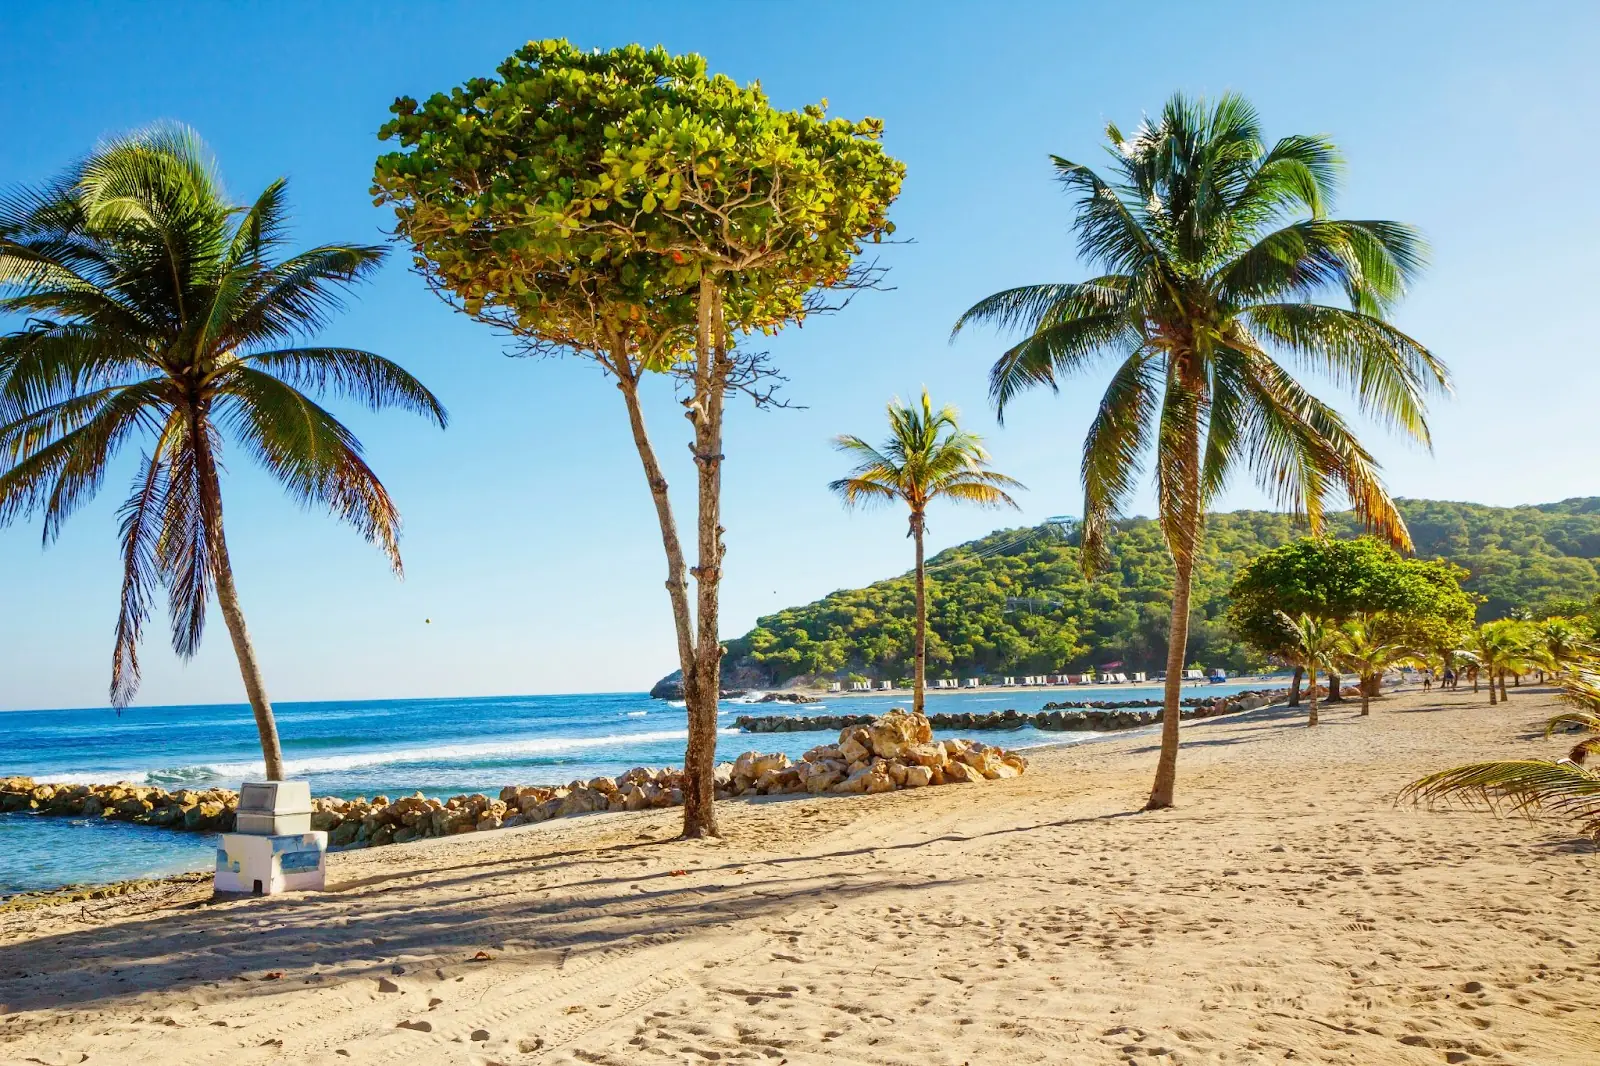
x: 1418, y: 603
x: 628, y: 207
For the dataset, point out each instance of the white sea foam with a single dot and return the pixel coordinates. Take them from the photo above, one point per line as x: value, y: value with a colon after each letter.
x: 634, y: 714
x: 202, y: 774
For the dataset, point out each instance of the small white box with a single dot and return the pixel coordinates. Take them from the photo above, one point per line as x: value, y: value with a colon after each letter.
x: 252, y: 865
x: 274, y: 808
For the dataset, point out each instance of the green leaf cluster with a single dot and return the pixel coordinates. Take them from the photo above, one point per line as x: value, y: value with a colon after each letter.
x: 581, y: 194
x: 1333, y: 581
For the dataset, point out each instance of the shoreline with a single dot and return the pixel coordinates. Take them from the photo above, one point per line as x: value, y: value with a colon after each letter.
x: 1031, y: 920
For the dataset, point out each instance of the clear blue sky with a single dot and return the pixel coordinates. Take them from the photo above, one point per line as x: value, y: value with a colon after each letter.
x: 529, y: 539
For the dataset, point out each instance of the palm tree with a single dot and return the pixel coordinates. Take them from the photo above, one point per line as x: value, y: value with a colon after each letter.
x: 1311, y: 645
x: 1508, y: 645
x: 1214, y: 245
x: 1367, y: 648
x: 927, y: 456
x: 1567, y: 642
x: 154, y: 306
x: 1565, y: 786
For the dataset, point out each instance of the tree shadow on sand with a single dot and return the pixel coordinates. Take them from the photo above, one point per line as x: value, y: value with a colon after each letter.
x: 364, y: 927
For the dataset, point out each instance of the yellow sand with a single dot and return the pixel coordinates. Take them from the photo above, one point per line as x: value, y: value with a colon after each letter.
x: 1287, y: 911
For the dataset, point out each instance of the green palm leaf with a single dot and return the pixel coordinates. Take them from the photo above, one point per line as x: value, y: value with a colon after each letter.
x: 154, y: 307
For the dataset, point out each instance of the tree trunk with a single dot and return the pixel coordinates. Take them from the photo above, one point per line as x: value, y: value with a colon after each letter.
x: 1334, y: 693
x: 1162, y: 794
x: 920, y: 648
x: 1312, y: 719
x: 1188, y: 525
x: 705, y: 411
x: 1492, y: 694
x: 228, y: 600
x: 1505, y: 697
x: 1294, y: 686
x: 1366, y: 694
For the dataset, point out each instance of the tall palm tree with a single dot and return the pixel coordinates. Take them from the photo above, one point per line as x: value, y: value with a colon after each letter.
x: 1311, y: 646
x: 1214, y: 246
x: 927, y: 456
x: 155, y: 307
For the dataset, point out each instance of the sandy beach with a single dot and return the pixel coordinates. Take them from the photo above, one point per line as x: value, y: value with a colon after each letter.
x: 1287, y: 910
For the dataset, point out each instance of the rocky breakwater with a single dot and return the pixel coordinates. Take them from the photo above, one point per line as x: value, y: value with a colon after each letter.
x: 1070, y: 716
x: 892, y: 752
x: 199, y: 810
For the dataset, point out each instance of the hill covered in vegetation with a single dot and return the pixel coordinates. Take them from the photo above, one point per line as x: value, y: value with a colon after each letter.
x: 1016, y: 601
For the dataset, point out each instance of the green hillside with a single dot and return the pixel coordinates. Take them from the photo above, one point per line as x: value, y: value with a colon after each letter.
x: 1015, y: 602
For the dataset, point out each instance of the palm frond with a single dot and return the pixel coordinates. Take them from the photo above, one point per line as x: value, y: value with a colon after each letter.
x: 1520, y: 785
x: 315, y: 457
x: 353, y: 374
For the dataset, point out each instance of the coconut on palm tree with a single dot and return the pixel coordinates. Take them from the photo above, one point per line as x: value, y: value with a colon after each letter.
x: 156, y: 309
x: 927, y: 456
x: 1215, y: 247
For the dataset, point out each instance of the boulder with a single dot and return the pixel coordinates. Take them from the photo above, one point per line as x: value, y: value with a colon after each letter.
x: 345, y: 834
x: 959, y: 773
x: 855, y: 744
x: 582, y: 801
x: 890, y: 736
x: 918, y: 776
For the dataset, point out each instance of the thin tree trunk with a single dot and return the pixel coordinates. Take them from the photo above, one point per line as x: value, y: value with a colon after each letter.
x: 232, y: 614
x: 1505, y: 697
x: 1190, y: 526
x: 1312, y: 720
x: 1162, y: 794
x: 1294, y: 686
x: 920, y: 648
x: 705, y: 411
x: 1493, y: 696
x: 1366, y: 694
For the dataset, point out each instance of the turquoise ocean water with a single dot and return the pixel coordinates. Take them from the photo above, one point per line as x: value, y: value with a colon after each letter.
x: 438, y: 746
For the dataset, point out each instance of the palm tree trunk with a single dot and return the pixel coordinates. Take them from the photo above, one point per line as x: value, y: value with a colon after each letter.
x: 1366, y: 695
x: 920, y: 648
x: 232, y: 615
x: 1505, y: 697
x: 1492, y: 695
x: 1312, y: 720
x: 1294, y: 686
x: 705, y: 411
x: 1334, y: 693
x: 1162, y: 794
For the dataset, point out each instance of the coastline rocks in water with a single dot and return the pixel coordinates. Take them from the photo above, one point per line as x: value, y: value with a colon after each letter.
x: 788, y: 697
x: 1065, y: 716
x: 893, y: 752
